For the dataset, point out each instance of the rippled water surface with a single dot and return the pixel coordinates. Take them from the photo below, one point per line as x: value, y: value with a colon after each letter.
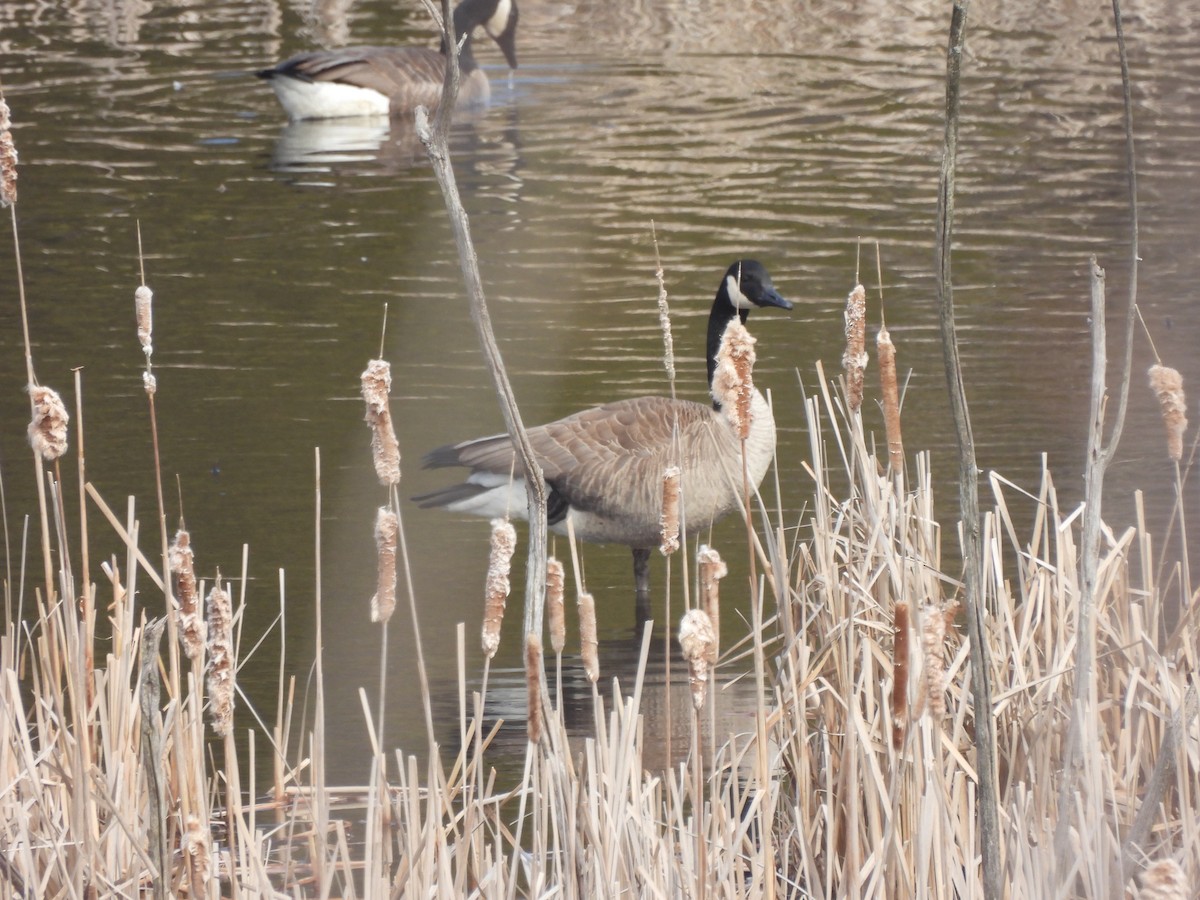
x: 780, y: 130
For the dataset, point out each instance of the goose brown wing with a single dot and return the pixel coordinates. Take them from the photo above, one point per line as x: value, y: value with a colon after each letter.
x: 388, y: 70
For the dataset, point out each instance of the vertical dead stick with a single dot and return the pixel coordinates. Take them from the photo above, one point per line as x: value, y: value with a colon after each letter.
x: 152, y: 757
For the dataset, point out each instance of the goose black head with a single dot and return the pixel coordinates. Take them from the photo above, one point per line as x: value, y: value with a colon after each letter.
x: 746, y: 285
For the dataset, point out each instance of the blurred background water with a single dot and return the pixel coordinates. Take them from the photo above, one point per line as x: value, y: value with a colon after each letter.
x: 779, y: 130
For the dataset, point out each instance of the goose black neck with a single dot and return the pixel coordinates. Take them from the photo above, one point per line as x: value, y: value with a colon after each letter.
x: 464, y: 24
x: 722, y: 311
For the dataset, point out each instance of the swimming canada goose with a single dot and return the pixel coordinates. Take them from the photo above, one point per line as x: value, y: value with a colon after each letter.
x: 373, y: 81
x: 604, y: 466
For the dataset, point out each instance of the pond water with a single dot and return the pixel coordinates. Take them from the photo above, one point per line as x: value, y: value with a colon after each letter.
x: 780, y: 130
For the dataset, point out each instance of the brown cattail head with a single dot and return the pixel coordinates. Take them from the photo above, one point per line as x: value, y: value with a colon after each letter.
x: 854, y: 360
x: 1167, y: 385
x: 933, y: 634
x: 533, y: 686
x: 48, y: 428
x: 190, y: 620
x: 222, y: 671
x: 385, y: 449
x: 891, y: 398
x: 555, y: 581
x: 589, y: 646
x: 697, y: 639
x: 711, y: 569
x: 664, y: 322
x: 143, y: 305
x: 733, y: 382
x: 669, y: 522
x: 8, y: 159
x: 1164, y: 880
x: 387, y: 535
x: 193, y: 847
x: 504, y: 544
x: 900, y: 669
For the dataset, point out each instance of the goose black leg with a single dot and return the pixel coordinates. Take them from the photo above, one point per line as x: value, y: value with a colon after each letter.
x: 641, y: 582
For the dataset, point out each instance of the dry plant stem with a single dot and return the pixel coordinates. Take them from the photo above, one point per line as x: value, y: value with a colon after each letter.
x: 152, y: 757
x: 436, y: 145
x: 968, y: 488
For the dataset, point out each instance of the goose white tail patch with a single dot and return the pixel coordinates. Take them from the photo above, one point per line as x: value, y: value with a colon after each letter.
x: 499, y: 21
x: 736, y: 297
x: 327, y: 99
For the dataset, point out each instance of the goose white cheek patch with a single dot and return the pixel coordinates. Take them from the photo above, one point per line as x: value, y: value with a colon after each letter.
x: 736, y: 297
x: 496, y: 24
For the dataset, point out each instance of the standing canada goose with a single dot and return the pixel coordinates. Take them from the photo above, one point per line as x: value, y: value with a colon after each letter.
x: 374, y: 81
x: 604, y: 466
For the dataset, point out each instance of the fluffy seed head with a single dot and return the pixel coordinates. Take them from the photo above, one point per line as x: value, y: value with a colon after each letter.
x: 854, y: 360
x: 589, y: 646
x: 697, y: 639
x: 192, y: 630
x: 385, y: 449
x: 1167, y: 385
x: 733, y: 382
x: 222, y: 671
x: 193, y: 847
x: 8, y: 159
x: 669, y: 521
x: 387, y: 534
x: 555, y: 581
x: 933, y: 634
x: 496, y: 588
x: 711, y: 569
x: 1164, y: 881
x: 143, y: 304
x: 664, y: 322
x: 891, y: 398
x: 48, y: 428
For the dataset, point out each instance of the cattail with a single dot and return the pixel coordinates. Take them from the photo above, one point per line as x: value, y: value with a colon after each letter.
x: 504, y: 543
x: 900, y: 663
x: 191, y: 621
x: 555, y: 580
x: 1167, y: 385
x: 385, y: 449
x: 733, y: 384
x: 711, y: 569
x: 8, y: 159
x: 221, y: 670
x: 854, y: 360
x: 1163, y: 881
x: 48, y: 429
x: 589, y: 647
x: 669, y: 522
x: 664, y: 322
x: 933, y: 633
x: 696, y: 639
x: 387, y: 534
x: 533, y: 686
x: 193, y: 847
x: 891, y: 398
x: 143, y: 300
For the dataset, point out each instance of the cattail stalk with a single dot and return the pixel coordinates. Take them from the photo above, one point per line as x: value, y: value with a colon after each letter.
x: 933, y: 634
x: 555, y: 610
x: 1167, y: 385
x: 891, y: 398
x: 48, y: 428
x: 385, y: 449
x: 711, y: 569
x: 589, y: 646
x: 8, y: 158
x: 222, y: 671
x: 387, y: 535
x: 190, y: 616
x: 669, y: 521
x: 697, y: 639
x: 900, y: 670
x: 193, y: 847
x: 533, y: 686
x: 854, y: 360
x: 733, y: 383
x: 1164, y: 880
x: 496, y: 588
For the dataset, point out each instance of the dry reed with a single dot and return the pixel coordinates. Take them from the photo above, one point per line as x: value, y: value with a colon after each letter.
x: 1167, y: 385
x: 533, y: 687
x: 48, y: 427
x: 890, y: 395
x: 387, y: 535
x: 8, y: 158
x: 385, y: 449
x: 496, y: 587
x: 555, y: 609
x: 733, y: 383
x: 669, y: 521
x: 222, y: 668
x: 589, y: 646
x: 698, y: 642
x: 854, y: 359
x: 190, y: 616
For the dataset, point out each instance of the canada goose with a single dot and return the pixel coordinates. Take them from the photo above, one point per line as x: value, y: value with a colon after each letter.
x: 604, y: 466
x: 372, y: 81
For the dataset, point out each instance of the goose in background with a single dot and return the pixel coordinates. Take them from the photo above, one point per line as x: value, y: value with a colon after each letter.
x: 378, y: 81
x: 604, y: 466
